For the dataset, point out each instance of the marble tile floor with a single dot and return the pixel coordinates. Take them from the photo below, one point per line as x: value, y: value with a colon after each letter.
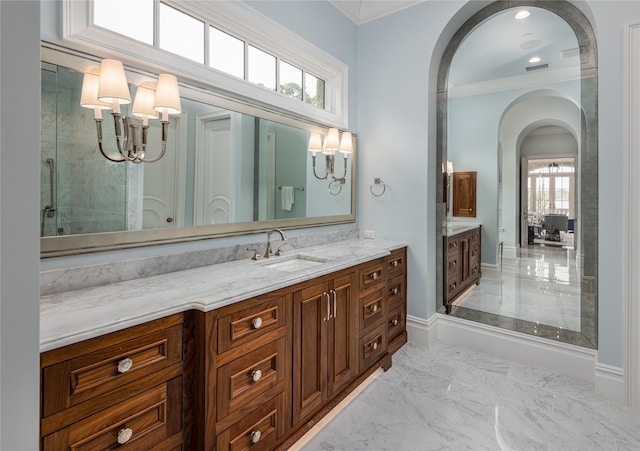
x: 542, y: 285
x: 450, y: 397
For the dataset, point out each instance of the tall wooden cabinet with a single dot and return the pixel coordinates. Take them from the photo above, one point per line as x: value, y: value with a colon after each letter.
x: 462, y: 266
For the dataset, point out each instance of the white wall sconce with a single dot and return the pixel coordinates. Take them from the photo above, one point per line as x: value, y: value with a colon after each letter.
x: 109, y: 89
x: 332, y: 143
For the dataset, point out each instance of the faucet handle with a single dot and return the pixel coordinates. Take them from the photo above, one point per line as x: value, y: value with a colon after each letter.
x: 256, y: 255
x: 279, y: 250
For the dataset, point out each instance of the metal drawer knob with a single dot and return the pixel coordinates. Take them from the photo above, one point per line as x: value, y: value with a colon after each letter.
x: 394, y: 322
x: 124, y: 435
x: 395, y: 291
x: 374, y: 276
x: 394, y: 263
x: 374, y: 345
x: 256, y: 323
x: 124, y: 365
x: 256, y: 375
x: 374, y: 308
x: 255, y: 436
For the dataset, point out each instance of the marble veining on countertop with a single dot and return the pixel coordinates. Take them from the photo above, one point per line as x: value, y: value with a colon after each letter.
x: 72, y: 316
x: 454, y: 228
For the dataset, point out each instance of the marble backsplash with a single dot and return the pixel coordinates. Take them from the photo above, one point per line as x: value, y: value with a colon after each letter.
x: 66, y: 279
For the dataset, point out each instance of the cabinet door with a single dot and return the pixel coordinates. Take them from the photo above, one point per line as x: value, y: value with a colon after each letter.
x: 311, y: 311
x: 342, y: 340
x: 464, y: 194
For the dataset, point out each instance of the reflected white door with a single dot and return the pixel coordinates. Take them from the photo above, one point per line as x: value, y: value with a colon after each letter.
x: 524, y: 203
x: 214, y: 170
x: 164, y: 180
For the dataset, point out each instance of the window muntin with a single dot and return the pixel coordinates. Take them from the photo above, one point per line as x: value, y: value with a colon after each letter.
x: 290, y: 80
x: 132, y: 19
x: 226, y: 52
x: 181, y: 34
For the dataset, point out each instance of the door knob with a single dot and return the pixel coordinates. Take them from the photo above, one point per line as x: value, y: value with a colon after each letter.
x: 169, y: 220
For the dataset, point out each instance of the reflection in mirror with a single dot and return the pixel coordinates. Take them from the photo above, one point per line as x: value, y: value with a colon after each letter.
x: 221, y: 167
x: 516, y: 117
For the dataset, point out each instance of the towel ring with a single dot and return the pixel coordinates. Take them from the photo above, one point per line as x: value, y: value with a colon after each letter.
x: 378, y: 181
x: 335, y: 193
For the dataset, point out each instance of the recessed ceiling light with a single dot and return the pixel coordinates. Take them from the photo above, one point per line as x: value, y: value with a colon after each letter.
x: 523, y: 14
x: 535, y: 59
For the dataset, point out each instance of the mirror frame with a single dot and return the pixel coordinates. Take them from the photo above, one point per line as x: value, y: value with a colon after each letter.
x: 588, y: 335
x: 97, y: 242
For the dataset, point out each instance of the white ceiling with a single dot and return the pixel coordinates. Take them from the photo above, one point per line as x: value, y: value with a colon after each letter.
x: 361, y: 11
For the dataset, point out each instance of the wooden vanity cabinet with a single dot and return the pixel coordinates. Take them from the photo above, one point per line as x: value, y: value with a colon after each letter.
x: 462, y: 268
x: 324, y: 343
x: 396, y: 290
x: 124, y: 389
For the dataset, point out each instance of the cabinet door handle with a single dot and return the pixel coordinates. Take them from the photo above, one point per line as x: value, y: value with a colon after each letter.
x: 256, y: 375
x: 124, y: 365
x: 255, y: 436
x: 124, y: 435
x: 256, y: 322
x: 335, y: 304
x: 328, y: 307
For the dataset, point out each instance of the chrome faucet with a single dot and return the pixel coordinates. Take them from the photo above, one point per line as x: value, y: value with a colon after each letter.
x: 268, y: 253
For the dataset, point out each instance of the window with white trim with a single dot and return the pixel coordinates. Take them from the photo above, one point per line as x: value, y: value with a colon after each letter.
x: 169, y: 27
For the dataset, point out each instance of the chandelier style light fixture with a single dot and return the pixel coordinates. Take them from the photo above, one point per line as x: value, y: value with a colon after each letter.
x: 332, y: 144
x: 109, y: 89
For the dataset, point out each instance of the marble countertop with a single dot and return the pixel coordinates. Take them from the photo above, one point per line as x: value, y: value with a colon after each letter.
x: 456, y: 228
x: 73, y: 316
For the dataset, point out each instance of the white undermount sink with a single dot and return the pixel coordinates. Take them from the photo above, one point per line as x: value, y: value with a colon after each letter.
x: 293, y: 262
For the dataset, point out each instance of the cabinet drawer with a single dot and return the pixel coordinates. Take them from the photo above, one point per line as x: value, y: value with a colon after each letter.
x: 250, y: 323
x: 474, y: 252
x: 452, y: 286
x: 396, y: 263
x: 82, y: 378
x: 453, y: 245
x: 371, y: 309
x: 452, y: 263
x: 475, y: 271
x: 241, y: 382
x: 396, y: 321
x: 259, y: 430
x: 396, y: 291
x: 373, y: 346
x: 371, y: 275
x: 140, y: 422
x: 474, y: 236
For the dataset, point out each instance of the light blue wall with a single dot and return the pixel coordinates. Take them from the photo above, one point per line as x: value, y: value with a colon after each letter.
x: 396, y: 121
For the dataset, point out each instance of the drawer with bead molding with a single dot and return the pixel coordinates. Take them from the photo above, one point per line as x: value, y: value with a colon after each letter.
x: 142, y: 421
x: 240, y: 326
x: 104, y: 371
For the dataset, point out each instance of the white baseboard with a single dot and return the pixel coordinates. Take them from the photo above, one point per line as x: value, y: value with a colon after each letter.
x: 609, y: 382
x: 564, y: 358
x: 421, y: 331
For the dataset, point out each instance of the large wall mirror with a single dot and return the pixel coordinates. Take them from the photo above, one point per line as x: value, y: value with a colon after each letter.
x: 226, y: 167
x: 518, y: 90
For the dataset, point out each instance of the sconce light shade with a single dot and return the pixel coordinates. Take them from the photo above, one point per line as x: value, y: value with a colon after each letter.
x: 315, y: 143
x: 449, y: 167
x: 346, y: 143
x: 113, y: 87
x: 332, y: 143
x: 143, y: 103
x: 167, y: 95
x: 89, y: 95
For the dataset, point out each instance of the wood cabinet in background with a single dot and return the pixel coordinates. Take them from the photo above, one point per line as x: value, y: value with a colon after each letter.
x: 462, y: 264
x: 464, y: 194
